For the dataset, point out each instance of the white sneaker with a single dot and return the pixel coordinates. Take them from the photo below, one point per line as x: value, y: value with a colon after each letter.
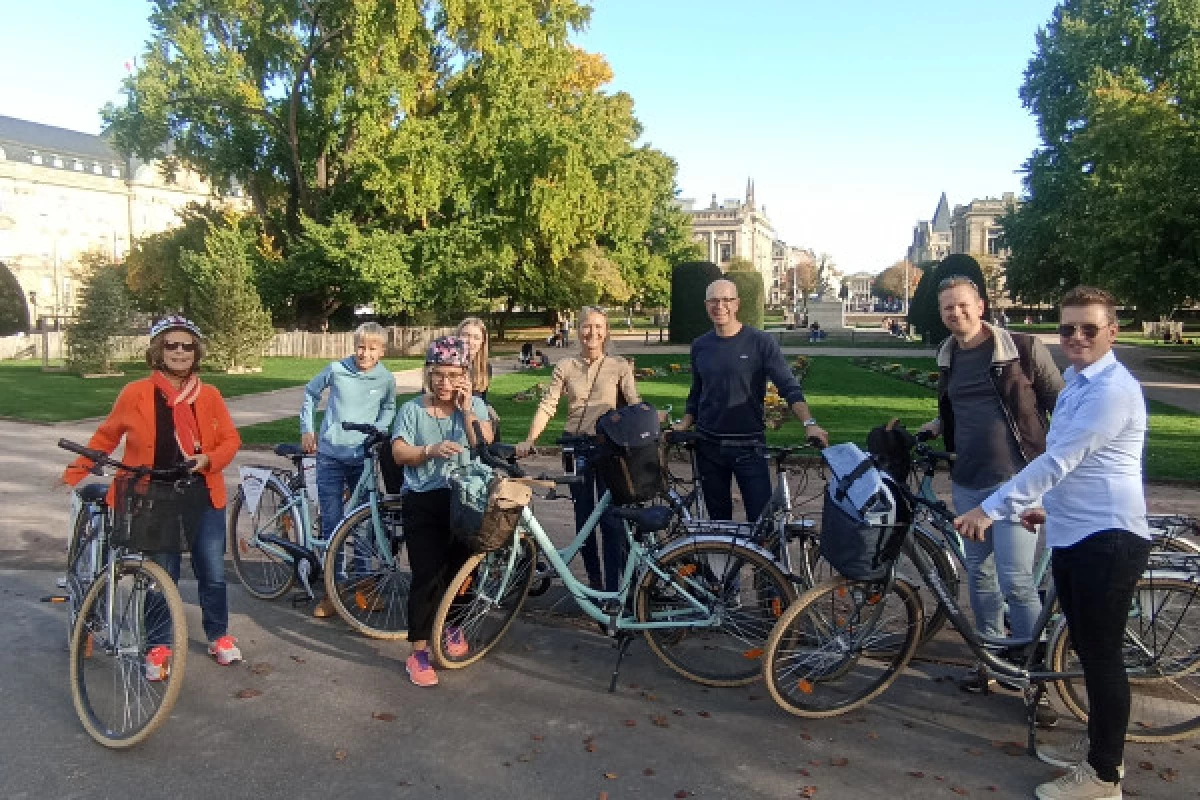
x: 1081, y: 783
x: 1073, y: 754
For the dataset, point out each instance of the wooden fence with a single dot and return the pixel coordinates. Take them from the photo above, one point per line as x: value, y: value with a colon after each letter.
x: 297, y: 344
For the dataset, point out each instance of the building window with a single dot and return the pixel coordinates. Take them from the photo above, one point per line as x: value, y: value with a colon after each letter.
x: 57, y: 161
x: 993, y: 242
x: 35, y: 157
x: 114, y: 171
x: 78, y: 165
x: 726, y: 252
x: 97, y: 169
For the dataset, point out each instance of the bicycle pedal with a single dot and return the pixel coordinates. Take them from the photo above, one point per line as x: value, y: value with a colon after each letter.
x: 55, y: 598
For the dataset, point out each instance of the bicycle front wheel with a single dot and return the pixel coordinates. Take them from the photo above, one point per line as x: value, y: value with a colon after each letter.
x: 114, y: 695
x: 84, y: 558
x: 481, y: 602
x: 716, y: 601
x: 1162, y: 660
x: 263, y: 570
x: 367, y: 574
x: 841, y: 645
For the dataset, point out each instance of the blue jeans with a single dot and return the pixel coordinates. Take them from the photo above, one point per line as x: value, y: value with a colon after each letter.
x: 719, y: 463
x: 1000, y: 569
x: 334, y: 479
x: 208, y: 565
x: 612, y: 530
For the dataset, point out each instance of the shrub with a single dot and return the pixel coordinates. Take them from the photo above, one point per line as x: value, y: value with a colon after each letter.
x: 750, y: 290
x: 14, y: 313
x: 688, y: 284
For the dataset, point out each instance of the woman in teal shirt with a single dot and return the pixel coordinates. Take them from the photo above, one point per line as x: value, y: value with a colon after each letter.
x: 432, y: 435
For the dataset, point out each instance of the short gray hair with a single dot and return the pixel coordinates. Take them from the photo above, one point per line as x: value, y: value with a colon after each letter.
x: 583, y: 315
x: 370, y: 330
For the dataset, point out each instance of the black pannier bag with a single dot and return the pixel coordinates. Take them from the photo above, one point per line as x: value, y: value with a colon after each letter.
x: 628, y: 459
x: 861, y: 529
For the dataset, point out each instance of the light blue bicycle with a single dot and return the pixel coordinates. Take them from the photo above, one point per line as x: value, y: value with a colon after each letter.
x: 705, y: 602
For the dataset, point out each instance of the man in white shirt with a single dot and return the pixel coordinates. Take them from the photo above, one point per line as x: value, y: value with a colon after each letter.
x: 1087, y: 489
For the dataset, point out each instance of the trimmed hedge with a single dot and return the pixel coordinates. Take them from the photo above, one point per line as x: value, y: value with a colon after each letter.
x: 750, y: 290
x: 14, y: 312
x: 689, y: 281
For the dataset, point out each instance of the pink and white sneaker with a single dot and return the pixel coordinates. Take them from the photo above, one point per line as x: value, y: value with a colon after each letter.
x: 225, y: 650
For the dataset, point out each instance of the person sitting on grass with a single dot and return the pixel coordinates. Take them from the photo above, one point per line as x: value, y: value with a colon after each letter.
x: 362, y: 390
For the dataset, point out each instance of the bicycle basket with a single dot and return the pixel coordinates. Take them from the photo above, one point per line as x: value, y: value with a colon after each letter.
x: 484, y: 507
x: 861, y: 534
x: 154, y: 516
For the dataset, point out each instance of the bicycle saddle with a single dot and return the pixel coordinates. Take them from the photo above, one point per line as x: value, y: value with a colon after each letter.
x: 650, y: 519
x: 93, y: 492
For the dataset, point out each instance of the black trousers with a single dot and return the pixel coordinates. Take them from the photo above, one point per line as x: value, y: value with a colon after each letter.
x: 434, y: 554
x: 1095, y: 579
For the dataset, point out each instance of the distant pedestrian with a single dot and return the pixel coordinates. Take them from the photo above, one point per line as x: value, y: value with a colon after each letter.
x: 565, y: 331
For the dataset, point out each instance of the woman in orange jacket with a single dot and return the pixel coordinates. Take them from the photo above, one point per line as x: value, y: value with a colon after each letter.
x: 165, y: 420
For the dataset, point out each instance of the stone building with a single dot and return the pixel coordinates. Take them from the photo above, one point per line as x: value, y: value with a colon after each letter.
x: 64, y: 194
x: 931, y: 237
x: 735, y: 228
x: 975, y: 230
x: 858, y: 291
x: 787, y: 261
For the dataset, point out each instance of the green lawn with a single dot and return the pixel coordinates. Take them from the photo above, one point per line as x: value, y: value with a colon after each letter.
x: 27, y: 393
x: 846, y: 399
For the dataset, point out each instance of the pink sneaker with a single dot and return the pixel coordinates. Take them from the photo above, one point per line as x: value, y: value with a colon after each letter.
x: 225, y: 650
x: 419, y: 669
x: 455, y: 643
x: 158, y: 663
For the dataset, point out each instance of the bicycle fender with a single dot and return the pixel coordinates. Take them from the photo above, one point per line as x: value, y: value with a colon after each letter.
x: 684, y: 542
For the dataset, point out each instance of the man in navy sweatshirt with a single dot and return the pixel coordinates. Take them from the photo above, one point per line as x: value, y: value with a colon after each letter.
x: 730, y: 367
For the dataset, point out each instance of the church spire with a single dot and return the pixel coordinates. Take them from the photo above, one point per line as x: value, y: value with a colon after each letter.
x: 749, y: 194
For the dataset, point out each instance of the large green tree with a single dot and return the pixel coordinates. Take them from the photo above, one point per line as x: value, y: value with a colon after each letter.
x: 469, y: 136
x: 1114, y: 190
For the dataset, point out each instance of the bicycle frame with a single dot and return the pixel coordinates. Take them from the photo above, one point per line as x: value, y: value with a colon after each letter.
x: 585, y: 597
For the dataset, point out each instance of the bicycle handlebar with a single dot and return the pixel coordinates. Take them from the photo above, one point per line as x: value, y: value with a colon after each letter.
x: 374, y: 435
x: 502, y: 457
x: 102, y: 459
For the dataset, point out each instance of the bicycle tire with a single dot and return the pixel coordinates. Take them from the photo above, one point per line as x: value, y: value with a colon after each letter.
x: 729, y: 654
x: 96, y: 651
x: 483, y: 600
x: 264, y: 574
x: 81, y: 573
x: 1164, y: 683
x: 372, y: 594
x: 831, y: 653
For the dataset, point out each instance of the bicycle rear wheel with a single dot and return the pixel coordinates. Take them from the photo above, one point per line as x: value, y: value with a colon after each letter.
x: 1162, y: 660
x: 841, y: 645
x: 117, y: 704
x: 367, y: 574
x: 742, y: 593
x: 482, y: 601
x: 265, y: 573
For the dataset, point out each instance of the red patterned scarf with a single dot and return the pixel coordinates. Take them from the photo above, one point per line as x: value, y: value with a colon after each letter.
x: 187, y: 430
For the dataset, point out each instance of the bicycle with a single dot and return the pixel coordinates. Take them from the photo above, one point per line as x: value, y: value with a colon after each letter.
x: 276, y: 543
x: 680, y: 596
x: 844, y: 642
x: 116, y: 599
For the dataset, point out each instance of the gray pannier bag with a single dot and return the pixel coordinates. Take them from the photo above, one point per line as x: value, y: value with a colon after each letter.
x: 860, y: 534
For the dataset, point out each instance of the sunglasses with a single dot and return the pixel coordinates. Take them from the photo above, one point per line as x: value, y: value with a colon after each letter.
x: 1088, y: 329
x: 186, y: 347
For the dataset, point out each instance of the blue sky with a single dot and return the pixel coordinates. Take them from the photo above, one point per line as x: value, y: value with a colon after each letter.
x: 851, y: 117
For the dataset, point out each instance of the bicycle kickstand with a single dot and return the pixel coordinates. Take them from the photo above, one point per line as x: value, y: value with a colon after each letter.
x: 624, y: 639
x: 1033, y: 697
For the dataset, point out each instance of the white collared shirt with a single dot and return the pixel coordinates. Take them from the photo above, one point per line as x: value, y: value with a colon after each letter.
x: 1090, y: 477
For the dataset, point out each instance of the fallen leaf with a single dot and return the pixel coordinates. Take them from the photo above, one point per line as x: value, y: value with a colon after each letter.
x: 806, y: 737
x: 631, y: 723
x: 938, y: 778
x: 872, y: 735
x: 1147, y: 765
x: 612, y: 776
x: 590, y: 747
x: 1168, y: 774
x: 536, y: 737
x: 808, y: 791
x: 703, y: 714
x: 262, y: 668
x: 383, y: 716
x: 299, y: 660
x: 838, y: 762
x: 660, y: 721
x: 959, y: 790
x: 804, y: 772
x: 679, y: 712
x: 683, y: 793
x: 339, y: 755
x: 246, y: 694
x: 917, y: 774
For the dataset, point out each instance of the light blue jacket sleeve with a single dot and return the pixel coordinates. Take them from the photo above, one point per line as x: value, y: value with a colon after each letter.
x: 387, y: 408
x: 312, y: 396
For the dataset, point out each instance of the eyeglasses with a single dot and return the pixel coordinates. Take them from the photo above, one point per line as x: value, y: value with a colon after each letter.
x: 445, y: 377
x: 721, y: 301
x: 186, y: 347
x: 1088, y: 329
